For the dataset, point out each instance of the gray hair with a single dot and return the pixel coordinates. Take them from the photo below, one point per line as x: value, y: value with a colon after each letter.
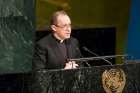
x: 55, y: 15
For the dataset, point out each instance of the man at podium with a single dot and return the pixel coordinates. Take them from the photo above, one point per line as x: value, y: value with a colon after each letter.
x: 52, y: 51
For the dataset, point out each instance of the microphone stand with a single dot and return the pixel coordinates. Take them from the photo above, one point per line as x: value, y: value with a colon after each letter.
x: 96, y: 58
x: 86, y: 49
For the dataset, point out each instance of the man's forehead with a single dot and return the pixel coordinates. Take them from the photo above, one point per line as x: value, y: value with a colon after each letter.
x: 63, y: 19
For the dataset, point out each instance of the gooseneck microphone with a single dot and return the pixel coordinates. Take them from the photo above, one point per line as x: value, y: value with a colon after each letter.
x: 86, y: 49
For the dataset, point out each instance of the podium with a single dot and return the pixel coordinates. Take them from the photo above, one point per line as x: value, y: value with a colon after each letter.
x: 85, y: 80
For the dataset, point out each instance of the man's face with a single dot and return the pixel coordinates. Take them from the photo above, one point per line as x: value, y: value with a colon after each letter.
x: 63, y: 27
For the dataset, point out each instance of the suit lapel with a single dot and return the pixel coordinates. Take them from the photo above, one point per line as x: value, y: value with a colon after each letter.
x: 55, y: 47
x: 69, y: 49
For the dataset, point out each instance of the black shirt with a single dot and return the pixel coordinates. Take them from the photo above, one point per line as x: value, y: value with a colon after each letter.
x: 51, y: 54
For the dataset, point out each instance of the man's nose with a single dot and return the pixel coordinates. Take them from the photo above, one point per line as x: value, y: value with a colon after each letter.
x: 68, y: 29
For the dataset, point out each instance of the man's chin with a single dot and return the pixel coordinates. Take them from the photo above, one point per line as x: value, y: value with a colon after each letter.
x: 67, y: 37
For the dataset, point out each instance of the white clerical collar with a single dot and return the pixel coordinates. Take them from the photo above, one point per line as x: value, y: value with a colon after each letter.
x: 58, y: 39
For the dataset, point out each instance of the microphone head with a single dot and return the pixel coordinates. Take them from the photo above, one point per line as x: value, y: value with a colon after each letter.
x: 85, y: 48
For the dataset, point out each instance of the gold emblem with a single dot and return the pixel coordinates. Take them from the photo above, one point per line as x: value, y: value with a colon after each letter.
x: 113, y: 80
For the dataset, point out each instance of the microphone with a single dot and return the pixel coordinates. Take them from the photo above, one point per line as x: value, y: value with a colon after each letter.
x: 67, y: 53
x: 86, y: 62
x: 86, y: 49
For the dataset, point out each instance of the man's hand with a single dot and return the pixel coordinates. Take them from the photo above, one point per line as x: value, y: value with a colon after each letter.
x: 70, y: 65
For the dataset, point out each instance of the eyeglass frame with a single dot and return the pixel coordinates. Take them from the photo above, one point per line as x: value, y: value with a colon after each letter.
x: 64, y: 26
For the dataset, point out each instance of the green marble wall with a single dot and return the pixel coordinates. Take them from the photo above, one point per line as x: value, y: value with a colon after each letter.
x: 16, y: 35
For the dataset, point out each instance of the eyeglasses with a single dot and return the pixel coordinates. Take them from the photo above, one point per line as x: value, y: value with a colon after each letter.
x: 64, y: 26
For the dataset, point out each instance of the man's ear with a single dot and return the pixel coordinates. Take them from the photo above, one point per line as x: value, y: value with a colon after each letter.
x: 53, y: 27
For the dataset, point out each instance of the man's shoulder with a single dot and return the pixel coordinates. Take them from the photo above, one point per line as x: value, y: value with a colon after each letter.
x: 45, y: 39
x: 72, y: 38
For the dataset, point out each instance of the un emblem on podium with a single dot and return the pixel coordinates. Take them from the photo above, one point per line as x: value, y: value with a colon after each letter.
x: 113, y: 80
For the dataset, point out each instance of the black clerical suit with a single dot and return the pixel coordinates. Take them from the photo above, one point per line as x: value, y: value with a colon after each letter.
x: 50, y: 53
